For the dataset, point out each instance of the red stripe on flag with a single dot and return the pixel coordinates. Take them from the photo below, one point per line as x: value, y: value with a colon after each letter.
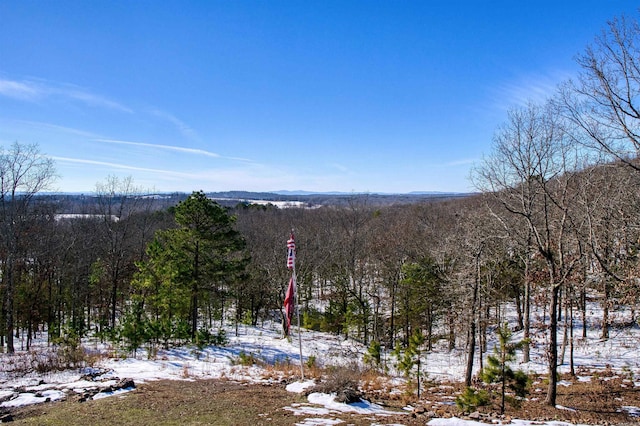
x: 288, y: 302
x: 291, y: 252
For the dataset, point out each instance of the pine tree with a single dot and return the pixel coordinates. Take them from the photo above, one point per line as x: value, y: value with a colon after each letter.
x: 372, y: 357
x: 410, y: 358
x: 188, y: 266
x: 499, y: 371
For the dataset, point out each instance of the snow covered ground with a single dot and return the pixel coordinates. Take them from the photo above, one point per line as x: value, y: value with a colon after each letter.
x: 266, y: 343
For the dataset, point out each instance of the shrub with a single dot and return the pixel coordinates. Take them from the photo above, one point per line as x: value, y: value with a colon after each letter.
x: 205, y: 338
x: 312, y: 319
x: 311, y: 361
x: 343, y: 381
x: 70, y: 352
x: 472, y: 398
x: 246, y: 359
x: 66, y: 353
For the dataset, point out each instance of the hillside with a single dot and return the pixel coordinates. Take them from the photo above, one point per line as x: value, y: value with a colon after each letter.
x: 259, y: 356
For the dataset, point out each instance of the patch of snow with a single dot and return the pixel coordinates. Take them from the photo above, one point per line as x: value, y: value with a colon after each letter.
x: 562, y: 407
x: 28, y: 398
x: 299, y: 387
x: 307, y: 409
x: 319, y: 422
x: 6, y: 395
x: 362, y: 407
x: 631, y: 410
x: 455, y: 421
x: 101, y: 395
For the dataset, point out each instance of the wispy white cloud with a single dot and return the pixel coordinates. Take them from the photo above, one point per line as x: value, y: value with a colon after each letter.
x: 194, y: 151
x: 36, y: 90
x: 92, y: 99
x: 19, y: 90
x: 246, y: 176
x: 183, y: 127
x: 340, y: 167
x: 172, y: 180
x: 117, y: 166
x: 164, y: 147
x: 536, y: 88
x: 461, y: 162
x: 54, y: 127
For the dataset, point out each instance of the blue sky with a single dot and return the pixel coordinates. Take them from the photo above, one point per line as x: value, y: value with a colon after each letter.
x: 353, y: 96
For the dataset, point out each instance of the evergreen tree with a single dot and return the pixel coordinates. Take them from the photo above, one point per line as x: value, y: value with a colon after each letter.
x: 188, y: 265
x: 410, y: 358
x: 423, y: 298
x: 373, y: 355
x: 499, y: 371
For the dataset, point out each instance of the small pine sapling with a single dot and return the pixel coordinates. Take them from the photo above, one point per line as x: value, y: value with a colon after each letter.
x: 373, y: 355
x: 472, y: 398
x: 411, y: 356
x: 499, y: 371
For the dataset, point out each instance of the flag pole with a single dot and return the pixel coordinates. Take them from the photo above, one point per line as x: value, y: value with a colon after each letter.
x: 293, y: 287
x: 295, y: 281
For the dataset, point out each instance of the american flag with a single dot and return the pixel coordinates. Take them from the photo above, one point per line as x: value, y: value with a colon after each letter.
x: 288, y: 305
x: 291, y: 252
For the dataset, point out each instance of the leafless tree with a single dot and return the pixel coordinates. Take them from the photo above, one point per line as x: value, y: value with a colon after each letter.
x: 604, y: 102
x: 117, y: 200
x: 609, y: 202
x: 529, y: 174
x: 24, y: 172
x: 266, y: 230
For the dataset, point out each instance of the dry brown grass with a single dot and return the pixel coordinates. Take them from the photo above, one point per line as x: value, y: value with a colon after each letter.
x: 222, y: 402
x: 598, y: 401
x: 180, y: 403
x: 49, y: 360
x: 287, y: 371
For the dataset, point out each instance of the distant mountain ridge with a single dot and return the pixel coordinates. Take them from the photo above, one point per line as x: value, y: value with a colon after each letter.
x: 332, y: 198
x: 302, y: 192
x: 75, y: 201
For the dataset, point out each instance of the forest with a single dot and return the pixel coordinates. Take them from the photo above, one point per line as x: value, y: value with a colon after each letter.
x: 555, y: 223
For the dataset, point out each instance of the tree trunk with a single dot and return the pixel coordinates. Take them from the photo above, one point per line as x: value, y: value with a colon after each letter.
x: 526, y: 349
x: 605, y: 311
x: 472, y: 325
x: 565, y: 334
x: 519, y: 307
x: 194, y: 291
x: 471, y: 352
x: 9, y: 303
x: 583, y: 307
x: 114, y: 301
x: 503, y: 367
x: 572, y: 367
x: 452, y: 332
x: 553, y: 346
x: 430, y: 329
x: 392, y: 327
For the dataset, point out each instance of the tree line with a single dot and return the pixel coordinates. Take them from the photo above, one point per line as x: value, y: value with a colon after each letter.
x: 555, y: 225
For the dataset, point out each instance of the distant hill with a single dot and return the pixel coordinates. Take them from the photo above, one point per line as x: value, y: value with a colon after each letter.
x: 74, y: 203
x: 301, y: 192
x: 332, y: 198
